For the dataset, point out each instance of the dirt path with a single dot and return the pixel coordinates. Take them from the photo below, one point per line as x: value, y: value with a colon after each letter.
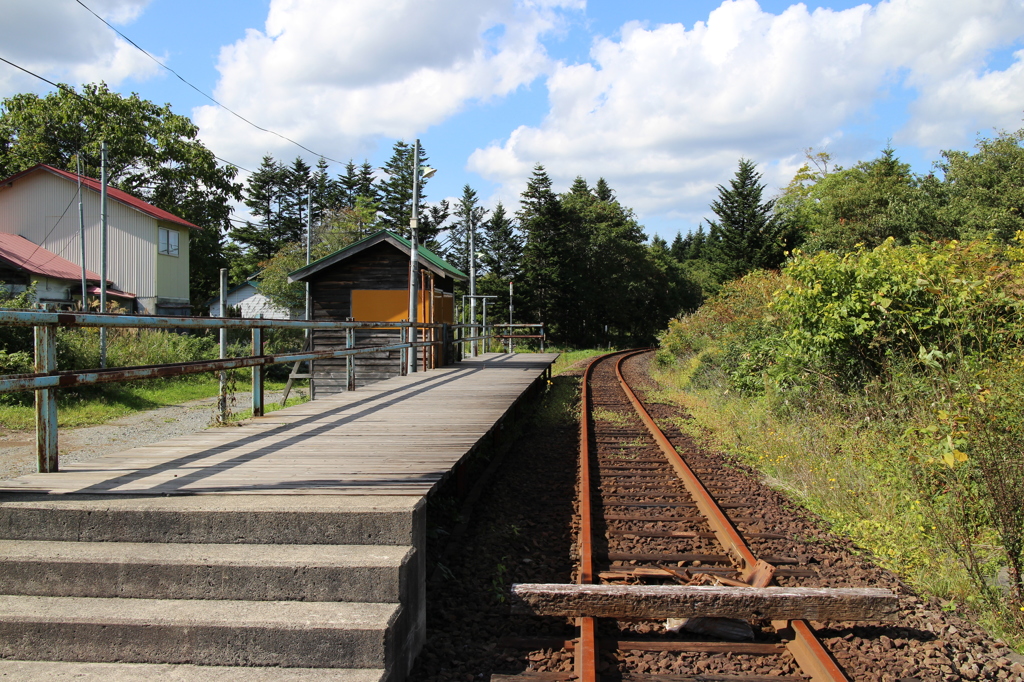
x: 17, y: 448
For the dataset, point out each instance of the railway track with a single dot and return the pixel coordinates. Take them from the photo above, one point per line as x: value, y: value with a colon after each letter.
x: 527, y: 531
x: 647, y: 518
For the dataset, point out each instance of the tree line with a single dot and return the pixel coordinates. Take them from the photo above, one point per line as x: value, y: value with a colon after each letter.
x: 579, y: 259
x: 828, y: 208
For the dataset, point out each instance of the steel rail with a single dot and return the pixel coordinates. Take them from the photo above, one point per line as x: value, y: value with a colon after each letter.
x: 586, y: 652
x: 812, y: 657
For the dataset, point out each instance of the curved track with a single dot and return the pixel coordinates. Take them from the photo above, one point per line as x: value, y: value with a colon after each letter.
x: 647, y: 517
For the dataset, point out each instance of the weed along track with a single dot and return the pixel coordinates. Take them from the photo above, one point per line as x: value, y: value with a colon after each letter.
x: 687, y: 570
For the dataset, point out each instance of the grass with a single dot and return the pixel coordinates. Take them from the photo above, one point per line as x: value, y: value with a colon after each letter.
x: 102, y: 404
x: 568, y: 358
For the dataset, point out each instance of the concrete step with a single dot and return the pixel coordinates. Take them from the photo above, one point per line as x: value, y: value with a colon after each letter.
x: 353, y: 573
x: 56, y: 671
x: 206, y: 632
x: 222, y: 519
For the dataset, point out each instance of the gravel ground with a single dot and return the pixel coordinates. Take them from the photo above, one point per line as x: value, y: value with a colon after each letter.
x: 17, y: 448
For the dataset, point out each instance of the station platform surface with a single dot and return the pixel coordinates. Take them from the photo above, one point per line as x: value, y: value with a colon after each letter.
x: 400, y: 436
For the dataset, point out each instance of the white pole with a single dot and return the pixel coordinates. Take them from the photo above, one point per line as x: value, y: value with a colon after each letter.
x: 414, y: 255
x: 472, y: 280
x: 510, y: 316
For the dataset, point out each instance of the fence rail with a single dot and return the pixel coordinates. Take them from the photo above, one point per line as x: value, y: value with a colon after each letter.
x: 439, y: 339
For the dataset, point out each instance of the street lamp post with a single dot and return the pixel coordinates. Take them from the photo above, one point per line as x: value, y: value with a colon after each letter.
x: 414, y: 250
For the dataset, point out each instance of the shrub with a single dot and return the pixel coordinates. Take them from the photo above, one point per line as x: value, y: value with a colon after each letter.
x: 732, y: 331
x: 851, y: 315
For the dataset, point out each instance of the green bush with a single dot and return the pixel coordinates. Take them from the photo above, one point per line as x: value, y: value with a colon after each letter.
x: 850, y: 316
x: 732, y: 332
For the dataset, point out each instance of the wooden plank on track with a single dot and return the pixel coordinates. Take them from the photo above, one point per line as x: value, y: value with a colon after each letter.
x: 684, y: 601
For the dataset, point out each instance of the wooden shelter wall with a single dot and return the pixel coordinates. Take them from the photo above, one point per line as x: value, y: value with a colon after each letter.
x: 378, y: 267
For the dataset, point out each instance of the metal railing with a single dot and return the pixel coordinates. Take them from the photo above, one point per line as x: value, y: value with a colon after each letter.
x: 47, y: 378
x: 441, y: 341
x: 464, y: 334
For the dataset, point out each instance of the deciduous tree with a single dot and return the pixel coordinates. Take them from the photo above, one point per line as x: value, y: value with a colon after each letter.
x: 152, y: 153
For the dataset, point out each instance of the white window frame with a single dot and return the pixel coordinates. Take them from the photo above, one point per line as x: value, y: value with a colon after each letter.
x: 167, y: 242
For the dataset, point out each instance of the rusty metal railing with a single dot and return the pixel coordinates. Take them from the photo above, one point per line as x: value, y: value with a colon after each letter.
x: 490, y: 332
x: 47, y: 379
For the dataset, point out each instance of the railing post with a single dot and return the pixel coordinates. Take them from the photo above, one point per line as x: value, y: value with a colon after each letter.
x: 350, y: 361
x: 222, y: 401
x: 403, y: 353
x: 46, y: 400
x: 257, y: 373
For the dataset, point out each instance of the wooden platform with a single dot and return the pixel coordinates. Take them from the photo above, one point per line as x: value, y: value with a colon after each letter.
x: 400, y: 436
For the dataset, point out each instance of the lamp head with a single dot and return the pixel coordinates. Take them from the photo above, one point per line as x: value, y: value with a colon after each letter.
x: 427, y: 171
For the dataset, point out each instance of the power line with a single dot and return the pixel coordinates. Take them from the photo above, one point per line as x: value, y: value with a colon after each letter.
x: 56, y: 85
x: 72, y: 91
x: 179, y: 77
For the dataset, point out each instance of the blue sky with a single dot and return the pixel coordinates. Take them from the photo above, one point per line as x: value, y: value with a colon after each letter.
x: 659, y: 97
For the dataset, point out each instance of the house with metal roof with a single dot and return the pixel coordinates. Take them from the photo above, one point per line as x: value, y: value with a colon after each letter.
x: 24, y: 264
x: 147, y: 247
x: 249, y: 301
x: 368, y: 281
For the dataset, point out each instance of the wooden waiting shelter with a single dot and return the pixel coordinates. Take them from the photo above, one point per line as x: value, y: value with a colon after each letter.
x: 368, y: 281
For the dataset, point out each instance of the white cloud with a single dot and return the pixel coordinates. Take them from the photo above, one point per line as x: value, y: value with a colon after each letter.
x: 61, y: 41
x: 660, y: 111
x: 337, y: 75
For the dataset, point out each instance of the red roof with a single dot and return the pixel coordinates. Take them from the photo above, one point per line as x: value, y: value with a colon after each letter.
x: 112, y: 192
x: 22, y: 253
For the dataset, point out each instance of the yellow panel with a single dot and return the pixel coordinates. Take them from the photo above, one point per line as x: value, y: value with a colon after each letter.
x: 444, y: 307
x: 388, y: 305
x: 380, y: 305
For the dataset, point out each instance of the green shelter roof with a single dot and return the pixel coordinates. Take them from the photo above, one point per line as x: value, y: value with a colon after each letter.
x: 428, y: 258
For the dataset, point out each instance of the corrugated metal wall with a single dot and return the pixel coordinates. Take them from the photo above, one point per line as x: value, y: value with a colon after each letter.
x: 172, y: 271
x: 43, y: 208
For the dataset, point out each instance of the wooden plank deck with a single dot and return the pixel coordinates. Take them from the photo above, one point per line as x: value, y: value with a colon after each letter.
x: 398, y: 436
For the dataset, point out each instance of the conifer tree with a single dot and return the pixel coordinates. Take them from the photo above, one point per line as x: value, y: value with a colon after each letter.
x: 540, y: 218
x: 469, y: 216
x: 503, y: 246
x: 745, y: 236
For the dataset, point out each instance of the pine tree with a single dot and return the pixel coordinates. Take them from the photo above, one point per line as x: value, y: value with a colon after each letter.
x: 257, y: 242
x: 745, y: 236
x: 540, y: 218
x: 469, y: 216
x: 503, y: 247
x: 358, y: 181
x: 295, y: 198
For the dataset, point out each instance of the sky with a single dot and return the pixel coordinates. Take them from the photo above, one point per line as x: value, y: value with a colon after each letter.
x: 659, y: 97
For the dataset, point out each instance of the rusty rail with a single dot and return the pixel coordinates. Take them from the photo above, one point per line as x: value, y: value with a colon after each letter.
x: 812, y: 657
x: 46, y: 379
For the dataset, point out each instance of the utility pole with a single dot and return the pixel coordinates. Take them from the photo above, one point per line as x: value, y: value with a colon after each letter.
x: 103, y: 250
x: 414, y: 255
x: 309, y: 240
x: 414, y: 249
x: 471, y: 229
x: 81, y: 235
